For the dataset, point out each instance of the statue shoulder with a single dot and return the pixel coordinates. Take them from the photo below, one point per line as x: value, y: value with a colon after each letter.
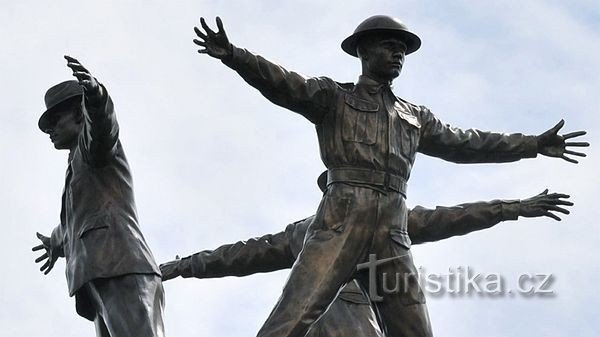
x: 348, y: 86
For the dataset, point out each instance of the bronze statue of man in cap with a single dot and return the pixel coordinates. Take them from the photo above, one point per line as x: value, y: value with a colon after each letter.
x: 368, y: 138
x: 110, y: 268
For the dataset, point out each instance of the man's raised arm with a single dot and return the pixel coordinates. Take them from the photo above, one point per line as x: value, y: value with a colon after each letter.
x: 427, y: 225
x: 100, y: 134
x: 310, y: 97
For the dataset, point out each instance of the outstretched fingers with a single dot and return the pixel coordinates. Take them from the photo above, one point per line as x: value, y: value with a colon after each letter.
x: 562, y: 202
x: 220, y: 26
x: 550, y: 215
x: 41, y: 258
x: 74, y: 64
x: 200, y: 34
x: 574, y: 134
x: 569, y: 159
x: 579, y: 144
x: 82, y: 76
x: 575, y: 153
x: 558, y: 126
x: 556, y: 199
x: 200, y: 43
x: 558, y: 209
x: 209, y: 31
x: 46, y: 265
x: 50, y: 266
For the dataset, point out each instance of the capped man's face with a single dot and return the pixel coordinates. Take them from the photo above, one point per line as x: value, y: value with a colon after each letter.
x: 383, y: 57
x: 66, y: 124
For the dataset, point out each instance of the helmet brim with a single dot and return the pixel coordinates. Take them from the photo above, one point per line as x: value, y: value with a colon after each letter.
x: 412, y: 41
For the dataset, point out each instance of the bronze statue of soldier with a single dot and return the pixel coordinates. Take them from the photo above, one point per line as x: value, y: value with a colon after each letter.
x: 351, y: 314
x: 110, y: 268
x: 368, y: 138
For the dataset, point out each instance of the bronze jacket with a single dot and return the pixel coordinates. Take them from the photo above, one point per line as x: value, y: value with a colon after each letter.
x: 99, y: 232
x: 366, y: 126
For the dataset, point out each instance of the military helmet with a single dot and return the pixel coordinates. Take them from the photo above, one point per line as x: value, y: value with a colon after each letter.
x: 381, y: 24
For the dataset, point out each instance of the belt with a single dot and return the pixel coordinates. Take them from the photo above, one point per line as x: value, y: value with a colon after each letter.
x: 365, y: 176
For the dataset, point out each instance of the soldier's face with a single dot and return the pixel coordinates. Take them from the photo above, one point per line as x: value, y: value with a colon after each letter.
x: 384, y: 57
x: 66, y: 126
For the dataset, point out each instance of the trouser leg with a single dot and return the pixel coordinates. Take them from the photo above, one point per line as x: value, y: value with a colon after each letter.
x: 335, y: 243
x: 401, y: 304
x: 130, y: 305
x: 347, y: 318
x: 101, y: 329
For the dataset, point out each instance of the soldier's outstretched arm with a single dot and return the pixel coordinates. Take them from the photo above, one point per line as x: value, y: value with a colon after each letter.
x: 476, y: 146
x: 100, y: 135
x: 310, y: 97
x: 257, y: 255
x: 427, y: 225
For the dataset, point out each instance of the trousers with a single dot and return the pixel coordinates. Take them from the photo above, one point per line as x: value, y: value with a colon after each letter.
x: 127, y: 306
x: 353, y: 225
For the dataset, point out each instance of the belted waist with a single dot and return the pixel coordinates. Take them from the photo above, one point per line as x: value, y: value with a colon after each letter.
x: 365, y: 176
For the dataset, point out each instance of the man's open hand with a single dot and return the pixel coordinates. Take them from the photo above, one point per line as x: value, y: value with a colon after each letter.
x: 543, y: 204
x: 50, y: 255
x: 551, y: 144
x: 93, y: 89
x: 215, y: 44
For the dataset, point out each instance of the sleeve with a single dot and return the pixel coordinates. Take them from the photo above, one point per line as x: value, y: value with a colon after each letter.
x: 257, y: 255
x: 100, y: 135
x: 471, y: 146
x: 310, y: 97
x: 57, y: 241
x: 427, y: 225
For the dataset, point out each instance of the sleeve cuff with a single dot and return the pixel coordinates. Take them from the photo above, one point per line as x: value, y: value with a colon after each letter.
x: 511, y: 209
x: 192, y: 266
x: 235, y: 55
x: 530, y: 147
x: 185, y: 267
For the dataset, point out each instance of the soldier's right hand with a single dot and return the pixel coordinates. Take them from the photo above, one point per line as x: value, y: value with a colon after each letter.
x: 215, y: 44
x: 50, y: 256
x: 170, y: 270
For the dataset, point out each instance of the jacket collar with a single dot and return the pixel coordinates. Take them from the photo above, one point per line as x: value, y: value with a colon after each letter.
x: 371, y: 85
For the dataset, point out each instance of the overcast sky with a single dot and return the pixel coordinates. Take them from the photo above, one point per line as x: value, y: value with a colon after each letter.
x: 215, y: 162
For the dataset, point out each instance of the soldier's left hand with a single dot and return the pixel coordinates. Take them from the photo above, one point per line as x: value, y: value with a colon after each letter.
x: 50, y: 255
x: 544, y: 204
x: 91, y: 86
x: 551, y: 144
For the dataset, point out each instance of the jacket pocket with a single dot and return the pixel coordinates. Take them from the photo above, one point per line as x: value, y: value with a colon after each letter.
x: 332, y: 213
x: 94, y: 223
x: 400, y: 237
x: 359, y: 120
x: 409, y: 127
